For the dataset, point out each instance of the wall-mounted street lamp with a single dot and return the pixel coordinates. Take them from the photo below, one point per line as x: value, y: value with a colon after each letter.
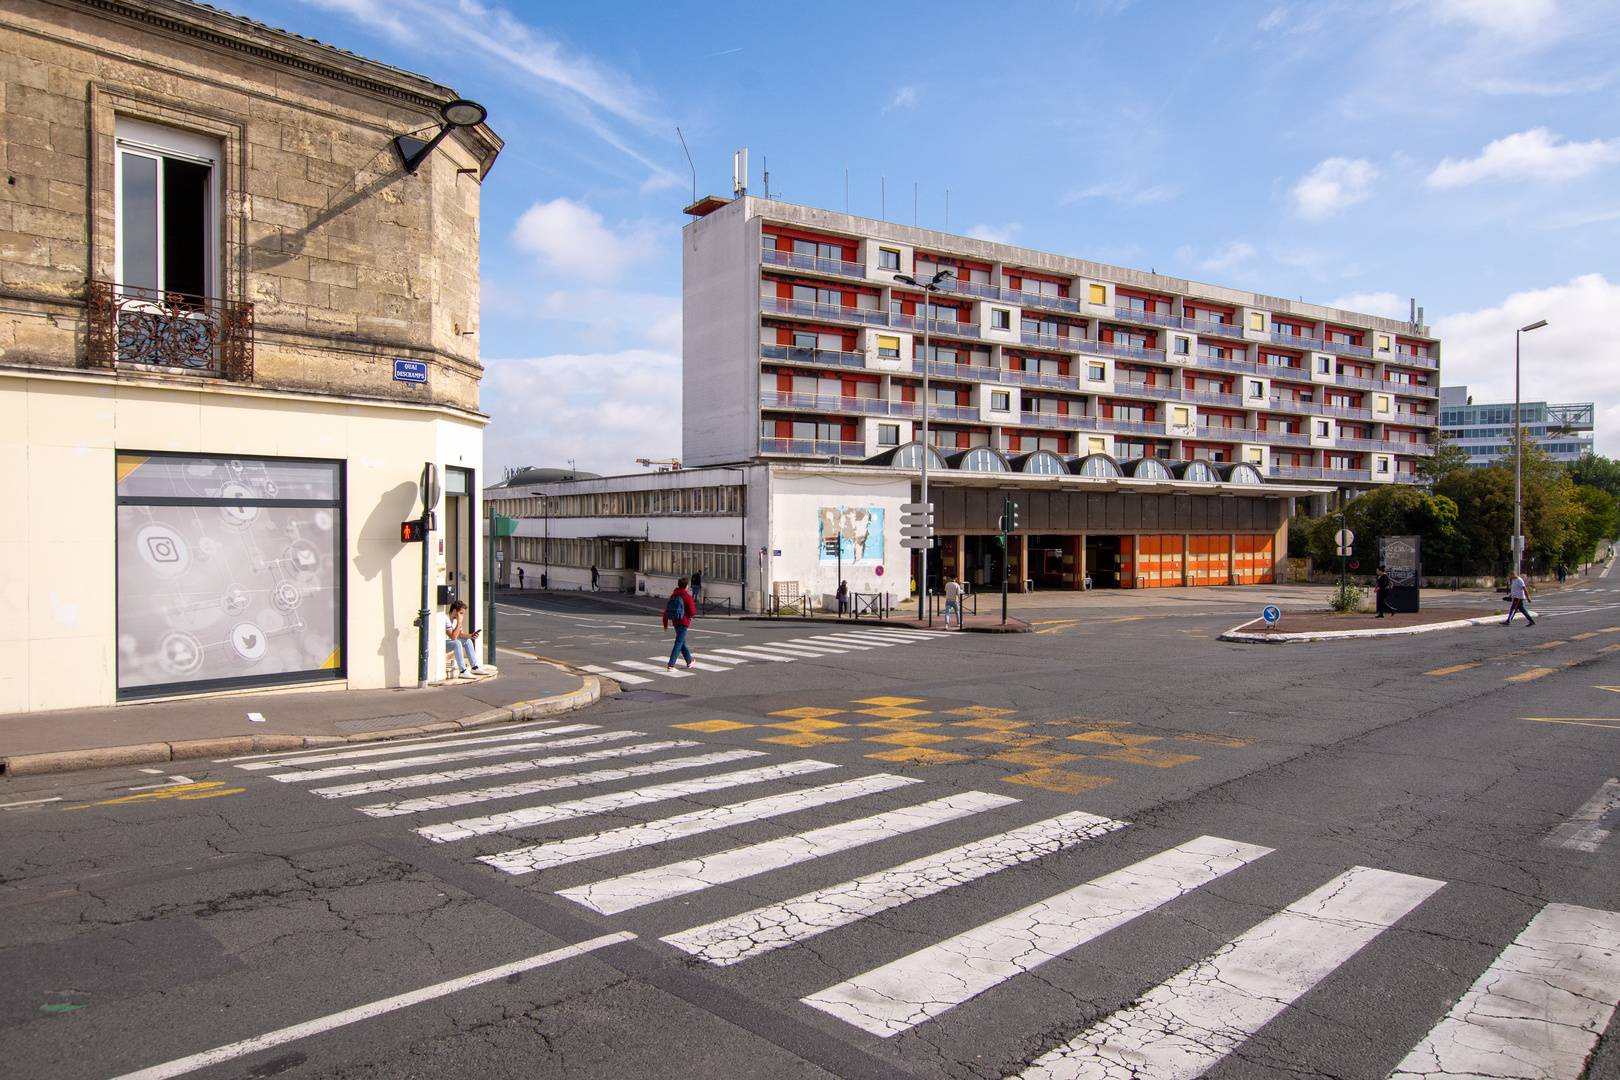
x: 455, y: 114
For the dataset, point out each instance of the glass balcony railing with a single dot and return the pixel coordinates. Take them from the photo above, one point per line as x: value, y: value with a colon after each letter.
x: 812, y: 447
x: 805, y: 309
x: 1133, y: 427
x: 778, y: 399
x: 1311, y: 472
x: 816, y: 264
x: 813, y: 357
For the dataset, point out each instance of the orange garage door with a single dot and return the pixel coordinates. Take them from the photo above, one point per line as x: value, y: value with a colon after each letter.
x: 1254, y: 563
x: 1207, y: 558
x: 1159, y: 566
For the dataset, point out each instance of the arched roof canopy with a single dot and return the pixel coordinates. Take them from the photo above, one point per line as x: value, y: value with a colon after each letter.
x: 979, y: 459
x: 1198, y: 472
x: 1146, y: 468
x: 1241, y: 472
x: 908, y: 456
x: 1041, y: 463
x: 1095, y: 465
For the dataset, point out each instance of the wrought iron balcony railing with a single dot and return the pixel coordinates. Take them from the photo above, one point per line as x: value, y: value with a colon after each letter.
x: 172, y: 332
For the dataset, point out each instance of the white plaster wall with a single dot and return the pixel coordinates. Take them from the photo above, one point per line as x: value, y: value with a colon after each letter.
x: 59, y: 436
x: 796, y: 501
x: 720, y: 334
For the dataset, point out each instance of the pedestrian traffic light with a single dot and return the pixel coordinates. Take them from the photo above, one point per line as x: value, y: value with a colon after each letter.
x: 412, y: 532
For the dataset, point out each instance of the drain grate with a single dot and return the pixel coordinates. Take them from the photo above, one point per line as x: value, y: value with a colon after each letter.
x: 383, y: 723
x: 650, y: 695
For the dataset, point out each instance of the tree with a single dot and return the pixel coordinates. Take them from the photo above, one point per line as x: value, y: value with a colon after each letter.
x: 1448, y: 458
x: 1597, y: 517
x: 1596, y: 471
x: 1484, y: 500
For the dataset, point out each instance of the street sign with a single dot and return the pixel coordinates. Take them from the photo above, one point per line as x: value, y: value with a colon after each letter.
x: 916, y: 508
x: 1271, y: 614
x: 914, y: 541
x: 410, y: 371
x: 1344, y: 538
x: 916, y: 530
x: 430, y: 486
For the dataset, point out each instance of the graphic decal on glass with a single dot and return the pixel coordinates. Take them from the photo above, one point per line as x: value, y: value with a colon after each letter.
x: 228, y: 569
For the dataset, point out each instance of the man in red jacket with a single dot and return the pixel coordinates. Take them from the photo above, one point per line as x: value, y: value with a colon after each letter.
x: 679, y: 610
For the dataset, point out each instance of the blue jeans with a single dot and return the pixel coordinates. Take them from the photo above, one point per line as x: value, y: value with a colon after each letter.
x: 953, y: 606
x: 680, y: 648
x: 461, y: 651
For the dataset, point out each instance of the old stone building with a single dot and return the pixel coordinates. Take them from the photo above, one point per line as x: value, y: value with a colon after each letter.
x: 234, y: 326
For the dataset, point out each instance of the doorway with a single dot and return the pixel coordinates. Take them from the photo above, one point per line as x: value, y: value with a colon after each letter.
x: 460, y: 539
x: 1104, y: 563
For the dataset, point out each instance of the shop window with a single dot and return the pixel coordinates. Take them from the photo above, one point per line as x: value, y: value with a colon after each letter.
x: 229, y: 572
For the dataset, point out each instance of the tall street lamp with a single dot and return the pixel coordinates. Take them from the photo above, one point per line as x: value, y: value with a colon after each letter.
x: 1518, y: 454
x: 929, y: 287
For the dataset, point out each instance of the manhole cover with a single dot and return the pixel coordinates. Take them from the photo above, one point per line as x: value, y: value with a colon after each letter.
x: 384, y: 723
x: 649, y: 695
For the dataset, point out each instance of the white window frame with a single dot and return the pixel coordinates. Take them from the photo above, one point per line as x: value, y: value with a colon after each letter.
x: 157, y: 141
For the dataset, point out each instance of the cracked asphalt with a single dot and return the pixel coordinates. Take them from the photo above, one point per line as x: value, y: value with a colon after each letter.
x: 1233, y: 861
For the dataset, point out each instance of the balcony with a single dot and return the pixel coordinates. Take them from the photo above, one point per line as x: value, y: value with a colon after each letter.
x: 958, y: 413
x: 1011, y: 296
x: 1179, y: 322
x: 1282, y: 438
x: 1313, y: 409
x: 1219, y: 364
x: 982, y: 373
x: 1408, y: 360
x: 814, y: 263
x: 1409, y: 389
x: 1410, y: 478
x: 948, y: 327
x: 777, y: 399
x: 1108, y: 348
x: 138, y: 329
x: 812, y: 448
x: 1063, y: 421
x: 1340, y: 347
x: 1152, y: 390
x: 805, y: 309
x: 1307, y: 472
x: 1132, y: 427
x: 813, y: 357
x: 1061, y: 342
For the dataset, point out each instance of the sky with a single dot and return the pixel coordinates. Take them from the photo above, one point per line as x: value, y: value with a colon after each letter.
x: 1465, y: 153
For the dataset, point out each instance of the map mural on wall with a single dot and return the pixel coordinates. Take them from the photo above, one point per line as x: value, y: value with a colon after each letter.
x: 859, y: 530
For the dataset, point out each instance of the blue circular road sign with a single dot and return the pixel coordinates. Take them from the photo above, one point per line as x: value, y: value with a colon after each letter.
x: 1271, y: 614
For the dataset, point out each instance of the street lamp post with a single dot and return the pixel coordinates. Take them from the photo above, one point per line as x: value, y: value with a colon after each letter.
x: 928, y: 287
x: 1518, y: 454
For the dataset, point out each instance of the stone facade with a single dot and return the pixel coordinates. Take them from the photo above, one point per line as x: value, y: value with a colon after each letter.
x: 349, y: 261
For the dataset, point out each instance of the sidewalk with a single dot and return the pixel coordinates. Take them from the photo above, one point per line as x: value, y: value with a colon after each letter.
x: 175, y: 730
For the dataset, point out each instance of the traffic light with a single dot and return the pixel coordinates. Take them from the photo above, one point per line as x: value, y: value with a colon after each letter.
x: 412, y: 532
x: 1009, y: 516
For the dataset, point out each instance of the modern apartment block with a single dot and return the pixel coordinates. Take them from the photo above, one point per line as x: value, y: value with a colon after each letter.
x: 800, y: 343
x: 1564, y: 431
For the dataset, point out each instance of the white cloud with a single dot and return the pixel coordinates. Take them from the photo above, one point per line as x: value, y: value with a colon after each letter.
x: 1229, y: 256
x: 1385, y: 304
x: 1498, y: 16
x: 1536, y: 154
x: 570, y: 238
x: 904, y: 98
x: 1332, y: 186
x: 1574, y: 358
x: 997, y: 234
x: 604, y: 410
x: 1127, y: 192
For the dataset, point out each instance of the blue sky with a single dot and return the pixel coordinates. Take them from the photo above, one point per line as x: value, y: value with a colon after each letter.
x: 1463, y: 152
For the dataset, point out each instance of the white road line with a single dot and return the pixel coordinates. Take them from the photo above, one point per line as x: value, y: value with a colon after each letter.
x: 732, y: 940
x: 354, y: 768
x: 532, y: 729
x: 1186, y: 1024
x: 696, y: 663
x: 756, y: 655
x: 1589, y: 826
x: 617, y: 676
x: 33, y: 802
x: 505, y: 768
x: 842, y: 641
x: 628, y: 891
x: 1537, y: 1011
x: 662, y: 669
x: 822, y: 646
x: 397, y: 748
x: 552, y: 783
x: 793, y: 650
x: 231, y: 1051
x: 541, y: 856
x: 618, y: 800
x: 733, y: 660
x: 898, y: 996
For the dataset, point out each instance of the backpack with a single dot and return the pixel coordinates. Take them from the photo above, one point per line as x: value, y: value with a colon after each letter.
x: 675, y: 610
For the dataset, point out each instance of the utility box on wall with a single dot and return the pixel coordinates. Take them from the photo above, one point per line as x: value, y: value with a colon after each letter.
x: 1401, y: 558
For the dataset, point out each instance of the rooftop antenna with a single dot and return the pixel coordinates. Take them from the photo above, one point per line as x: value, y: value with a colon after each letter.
x: 689, y: 164
x: 739, y: 172
x: 767, y: 174
x: 846, y: 189
x: 947, y: 209
x: 1413, y: 317
x: 883, y: 196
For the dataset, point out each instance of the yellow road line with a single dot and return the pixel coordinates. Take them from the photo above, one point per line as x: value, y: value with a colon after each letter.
x: 1533, y: 673
x: 177, y: 791
x: 1550, y: 644
x: 1562, y: 720
x: 1609, y: 648
x: 1450, y: 670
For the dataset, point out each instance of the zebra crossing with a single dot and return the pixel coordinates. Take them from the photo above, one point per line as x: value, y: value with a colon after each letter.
x: 1536, y: 1011
x: 634, y: 672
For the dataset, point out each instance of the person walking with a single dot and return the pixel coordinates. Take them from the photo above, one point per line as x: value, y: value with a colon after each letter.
x: 1381, y: 590
x: 678, y: 610
x: 460, y: 644
x: 1519, y: 595
x: 520, y: 578
x: 953, y: 602
x: 697, y: 584
x: 595, y: 577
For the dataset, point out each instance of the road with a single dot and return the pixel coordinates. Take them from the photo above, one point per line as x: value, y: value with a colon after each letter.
x: 1115, y: 844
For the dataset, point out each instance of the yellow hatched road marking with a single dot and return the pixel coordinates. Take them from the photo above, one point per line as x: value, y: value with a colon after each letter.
x: 176, y: 791
x: 1450, y: 670
x: 1533, y: 673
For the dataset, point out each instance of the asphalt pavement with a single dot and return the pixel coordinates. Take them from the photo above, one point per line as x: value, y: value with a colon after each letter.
x: 1114, y: 847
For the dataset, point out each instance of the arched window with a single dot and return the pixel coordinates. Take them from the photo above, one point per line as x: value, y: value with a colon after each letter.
x: 982, y: 459
x: 1199, y: 472
x: 909, y: 456
x: 1147, y: 469
x: 1243, y: 473
x: 1044, y: 463
x: 1096, y: 465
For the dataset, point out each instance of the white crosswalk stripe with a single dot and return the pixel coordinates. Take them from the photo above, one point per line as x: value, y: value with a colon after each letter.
x: 508, y: 738
x: 541, y: 856
x: 1183, y: 1026
x: 351, y: 768
x: 1537, y: 1011
x: 697, y: 665
x: 901, y: 995
x: 732, y: 660
x: 617, y: 676
x: 628, y: 891
x: 732, y: 940
x: 505, y: 768
x: 720, y: 660
x: 748, y: 655
x: 1589, y: 826
x: 552, y: 783
x: 536, y: 815
x: 663, y: 669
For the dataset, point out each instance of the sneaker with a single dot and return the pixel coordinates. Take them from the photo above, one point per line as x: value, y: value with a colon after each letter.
x: 689, y: 665
x: 670, y: 668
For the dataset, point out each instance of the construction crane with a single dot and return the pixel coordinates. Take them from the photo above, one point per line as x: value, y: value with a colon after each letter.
x: 662, y: 466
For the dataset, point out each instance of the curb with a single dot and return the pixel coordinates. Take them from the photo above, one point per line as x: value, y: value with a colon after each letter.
x: 185, y: 749
x: 1012, y: 626
x: 1236, y: 633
